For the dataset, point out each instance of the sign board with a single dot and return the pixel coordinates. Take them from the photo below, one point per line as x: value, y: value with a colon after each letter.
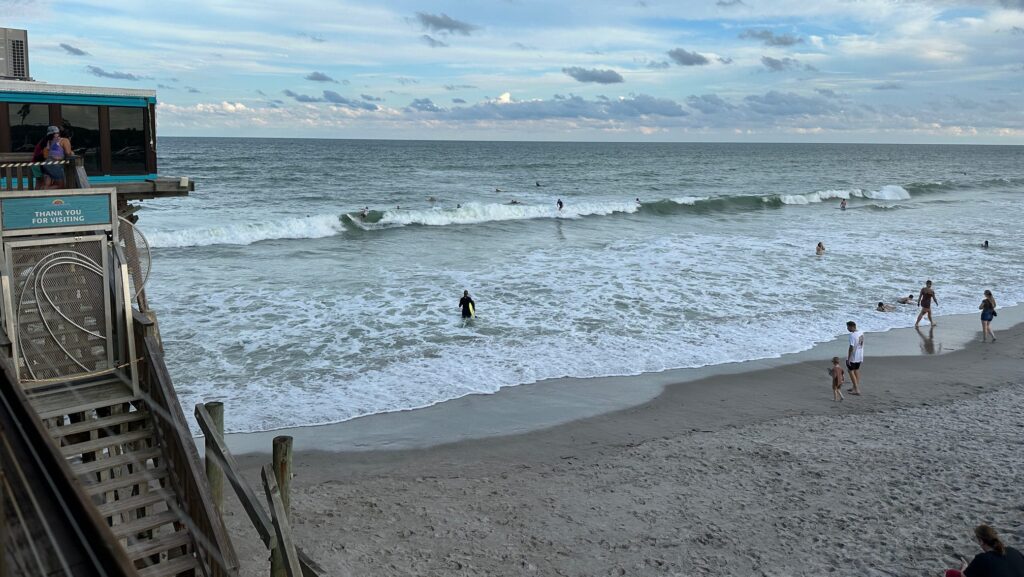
x: 55, y: 211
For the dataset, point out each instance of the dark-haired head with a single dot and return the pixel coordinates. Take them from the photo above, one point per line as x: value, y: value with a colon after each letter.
x: 465, y: 293
x: 850, y: 325
x: 989, y: 539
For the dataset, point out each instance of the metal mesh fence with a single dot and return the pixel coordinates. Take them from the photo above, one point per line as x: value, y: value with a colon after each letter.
x: 136, y: 252
x: 61, y: 317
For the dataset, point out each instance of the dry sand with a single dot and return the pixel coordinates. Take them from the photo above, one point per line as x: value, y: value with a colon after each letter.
x: 741, y: 474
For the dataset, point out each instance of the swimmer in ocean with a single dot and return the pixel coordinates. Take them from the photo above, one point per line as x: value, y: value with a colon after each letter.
x: 497, y: 190
x: 638, y: 201
x: 560, y: 205
x: 514, y: 201
x: 842, y: 204
x: 365, y: 212
x: 538, y: 183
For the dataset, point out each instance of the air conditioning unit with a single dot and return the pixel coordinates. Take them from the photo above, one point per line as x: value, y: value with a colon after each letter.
x: 14, y: 54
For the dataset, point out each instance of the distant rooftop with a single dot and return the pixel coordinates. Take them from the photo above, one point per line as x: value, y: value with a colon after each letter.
x: 63, y: 89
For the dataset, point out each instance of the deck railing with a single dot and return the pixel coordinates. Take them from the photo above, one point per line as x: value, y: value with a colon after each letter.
x: 213, y: 548
x: 47, y: 524
x: 17, y: 172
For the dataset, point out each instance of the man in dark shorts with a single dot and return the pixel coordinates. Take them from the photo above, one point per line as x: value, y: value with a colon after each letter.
x: 855, y: 356
x: 467, y: 305
x: 924, y: 300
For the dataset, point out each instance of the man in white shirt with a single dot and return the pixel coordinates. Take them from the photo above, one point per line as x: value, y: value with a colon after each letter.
x: 855, y: 355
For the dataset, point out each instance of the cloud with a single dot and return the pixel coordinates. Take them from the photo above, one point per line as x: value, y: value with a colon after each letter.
x: 779, y: 64
x: 569, y: 107
x: 657, y: 65
x: 1018, y: 4
x: 776, y: 103
x: 458, y: 87
x: 406, y: 81
x: 1017, y: 30
x: 97, y: 71
x: 593, y: 75
x: 335, y: 98
x: 424, y: 105
x: 888, y: 86
x: 370, y: 98
x: 312, y: 37
x: 725, y: 60
x: 729, y: 3
x: 444, y: 24
x: 827, y: 92
x: 684, y: 58
x: 302, y: 97
x: 709, y: 103
x: 769, y: 38
x: 192, y: 90
x: 458, y: 101
x: 319, y: 77
x: 522, y: 46
x: 73, y: 51
x: 165, y: 87
x: 433, y: 42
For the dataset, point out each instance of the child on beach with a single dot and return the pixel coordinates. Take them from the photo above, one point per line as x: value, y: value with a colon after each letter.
x: 838, y: 378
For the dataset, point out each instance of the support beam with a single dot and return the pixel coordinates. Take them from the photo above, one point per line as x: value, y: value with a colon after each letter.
x: 214, y: 474
x: 282, y: 529
x: 283, y: 473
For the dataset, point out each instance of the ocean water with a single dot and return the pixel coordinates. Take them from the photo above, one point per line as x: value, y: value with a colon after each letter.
x: 277, y: 298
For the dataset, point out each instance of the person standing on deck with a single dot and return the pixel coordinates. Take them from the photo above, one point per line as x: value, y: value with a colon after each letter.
x: 855, y: 356
x: 57, y: 148
x: 924, y: 300
x: 467, y: 305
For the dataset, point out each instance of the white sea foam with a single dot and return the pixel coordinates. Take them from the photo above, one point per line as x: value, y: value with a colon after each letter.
x: 248, y: 233
x: 688, y: 200
x: 474, y: 213
x: 887, y: 192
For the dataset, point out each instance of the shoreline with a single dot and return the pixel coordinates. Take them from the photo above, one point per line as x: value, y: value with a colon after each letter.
x: 737, y: 473
x: 520, y: 409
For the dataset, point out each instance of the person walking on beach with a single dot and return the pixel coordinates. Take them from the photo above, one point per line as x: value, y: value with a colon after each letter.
x: 924, y: 300
x: 855, y: 356
x: 988, y: 312
x: 995, y: 559
x: 838, y: 378
x: 467, y: 305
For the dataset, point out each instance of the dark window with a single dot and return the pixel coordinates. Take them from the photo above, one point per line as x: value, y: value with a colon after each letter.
x: 127, y: 141
x: 28, y: 125
x: 83, y: 126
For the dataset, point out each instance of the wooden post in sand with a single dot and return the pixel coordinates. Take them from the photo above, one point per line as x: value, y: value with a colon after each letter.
x: 283, y: 474
x: 214, y: 473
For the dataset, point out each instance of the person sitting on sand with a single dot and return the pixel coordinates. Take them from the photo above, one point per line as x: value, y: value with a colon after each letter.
x: 906, y: 301
x: 884, y: 308
x: 820, y: 249
x: 995, y: 559
x: 838, y: 378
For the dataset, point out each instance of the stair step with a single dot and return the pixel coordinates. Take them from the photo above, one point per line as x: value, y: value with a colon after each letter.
x: 104, y: 442
x: 137, y: 458
x: 79, y: 398
x: 170, y: 568
x: 165, y: 542
x: 62, y: 388
x: 152, y: 497
x: 143, y: 524
x: 106, y: 424
x: 124, y: 482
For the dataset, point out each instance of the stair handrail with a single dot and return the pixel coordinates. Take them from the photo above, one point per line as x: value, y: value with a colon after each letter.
x: 213, y: 547
x: 82, y: 542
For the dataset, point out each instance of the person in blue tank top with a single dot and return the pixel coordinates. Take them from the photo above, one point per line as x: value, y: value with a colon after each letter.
x: 58, y: 147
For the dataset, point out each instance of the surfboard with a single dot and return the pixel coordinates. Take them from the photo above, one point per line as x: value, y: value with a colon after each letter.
x: 472, y: 311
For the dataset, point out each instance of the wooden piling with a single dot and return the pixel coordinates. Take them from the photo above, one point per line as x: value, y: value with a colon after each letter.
x: 214, y: 472
x: 283, y: 476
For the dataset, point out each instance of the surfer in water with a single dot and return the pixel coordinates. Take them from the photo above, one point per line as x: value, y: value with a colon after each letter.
x: 365, y: 212
x: 467, y: 305
x: 538, y: 184
x: 560, y: 205
x: 842, y: 204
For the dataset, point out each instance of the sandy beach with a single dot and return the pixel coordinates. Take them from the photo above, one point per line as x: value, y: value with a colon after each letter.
x: 748, y: 472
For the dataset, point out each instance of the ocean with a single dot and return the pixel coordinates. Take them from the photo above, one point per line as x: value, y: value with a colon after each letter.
x: 277, y: 298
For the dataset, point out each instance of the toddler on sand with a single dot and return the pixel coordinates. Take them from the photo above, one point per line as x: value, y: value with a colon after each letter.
x: 838, y: 378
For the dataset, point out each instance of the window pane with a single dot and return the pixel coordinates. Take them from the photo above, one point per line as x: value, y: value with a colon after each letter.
x: 127, y: 141
x: 83, y: 126
x: 28, y: 125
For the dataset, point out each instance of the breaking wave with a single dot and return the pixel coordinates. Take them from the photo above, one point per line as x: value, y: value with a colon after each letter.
x: 248, y: 233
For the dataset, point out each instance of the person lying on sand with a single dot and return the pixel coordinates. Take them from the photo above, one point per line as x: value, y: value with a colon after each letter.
x: 884, y: 308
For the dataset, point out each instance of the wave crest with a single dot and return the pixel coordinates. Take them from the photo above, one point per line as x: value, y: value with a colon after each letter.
x: 248, y: 233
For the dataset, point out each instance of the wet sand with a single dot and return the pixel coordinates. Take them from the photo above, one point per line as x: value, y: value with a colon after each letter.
x: 750, y: 470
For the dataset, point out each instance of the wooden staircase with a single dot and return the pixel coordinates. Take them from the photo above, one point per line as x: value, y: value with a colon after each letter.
x: 112, y: 443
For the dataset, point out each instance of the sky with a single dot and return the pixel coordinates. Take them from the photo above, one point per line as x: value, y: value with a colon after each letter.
x: 899, y: 71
